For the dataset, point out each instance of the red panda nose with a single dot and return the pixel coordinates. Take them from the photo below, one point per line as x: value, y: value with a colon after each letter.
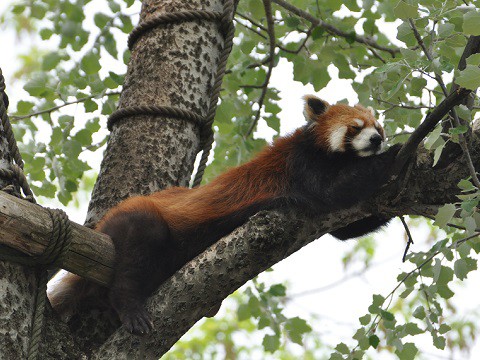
x: 376, y: 140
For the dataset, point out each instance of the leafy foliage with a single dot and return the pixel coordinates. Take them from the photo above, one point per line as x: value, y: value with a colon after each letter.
x: 65, y: 85
x: 234, y: 332
x: 71, y: 84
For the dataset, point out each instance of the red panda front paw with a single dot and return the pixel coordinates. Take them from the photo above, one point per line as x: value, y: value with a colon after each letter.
x: 137, y: 321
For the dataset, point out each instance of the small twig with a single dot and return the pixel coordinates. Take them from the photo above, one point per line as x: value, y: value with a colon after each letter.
x: 419, y: 39
x: 333, y: 30
x: 377, y: 55
x: 466, y: 152
x: 431, y: 120
x: 409, y: 235
x: 456, y: 120
x: 375, y: 321
x: 253, y: 22
x: 393, y: 136
x: 52, y: 109
x: 403, y: 106
x: 271, y: 35
x: 448, y: 224
x: 251, y: 29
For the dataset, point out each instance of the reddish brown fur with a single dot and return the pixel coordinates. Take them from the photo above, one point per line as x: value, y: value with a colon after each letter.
x: 236, y: 189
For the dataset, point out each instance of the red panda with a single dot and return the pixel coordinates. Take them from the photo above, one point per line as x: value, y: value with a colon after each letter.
x: 335, y: 161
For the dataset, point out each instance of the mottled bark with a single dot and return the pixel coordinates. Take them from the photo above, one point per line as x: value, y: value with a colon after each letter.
x: 171, y: 65
x: 17, y: 284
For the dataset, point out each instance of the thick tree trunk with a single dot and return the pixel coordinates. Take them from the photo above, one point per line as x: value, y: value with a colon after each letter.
x: 171, y: 65
x: 18, y: 289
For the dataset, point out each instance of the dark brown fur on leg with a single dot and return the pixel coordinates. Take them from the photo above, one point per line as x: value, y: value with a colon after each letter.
x: 143, y: 259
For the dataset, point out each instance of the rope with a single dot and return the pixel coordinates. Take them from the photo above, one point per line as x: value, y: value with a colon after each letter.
x: 53, y: 254
x: 15, y: 174
x: 206, y: 132
x: 172, y: 17
x: 168, y: 111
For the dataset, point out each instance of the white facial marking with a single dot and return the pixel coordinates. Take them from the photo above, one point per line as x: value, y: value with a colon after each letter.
x: 337, y: 138
x: 361, y: 143
x: 359, y: 122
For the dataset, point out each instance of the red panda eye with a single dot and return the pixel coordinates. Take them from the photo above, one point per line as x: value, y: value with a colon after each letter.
x: 356, y: 128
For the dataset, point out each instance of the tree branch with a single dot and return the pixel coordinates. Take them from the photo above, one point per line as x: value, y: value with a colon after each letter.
x: 456, y: 120
x: 431, y: 120
x: 26, y: 227
x: 271, y: 38
x: 333, y: 30
x: 264, y: 240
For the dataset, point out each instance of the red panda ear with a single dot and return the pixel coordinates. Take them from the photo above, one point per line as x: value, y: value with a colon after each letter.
x: 314, y: 107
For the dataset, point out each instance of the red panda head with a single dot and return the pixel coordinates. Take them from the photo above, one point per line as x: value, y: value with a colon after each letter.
x: 342, y: 128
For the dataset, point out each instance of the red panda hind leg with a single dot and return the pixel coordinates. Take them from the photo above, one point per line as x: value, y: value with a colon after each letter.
x: 144, y: 257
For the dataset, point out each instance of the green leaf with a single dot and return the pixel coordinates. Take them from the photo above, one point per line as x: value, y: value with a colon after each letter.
x: 470, y: 77
x: 374, y: 341
x: 408, y: 352
x: 292, y: 22
x: 51, y: 60
x: 413, y: 329
x: 438, y: 152
x: 462, y: 129
x: 24, y: 107
x: 18, y: 9
x: 361, y: 337
x: 376, y: 303
x: 474, y: 59
x: 419, y: 313
x: 278, y: 290
x: 271, y: 343
x: 433, y: 137
x: 114, y: 6
x: 471, y: 22
x: 405, y: 11
x: 444, y: 328
x: 342, y: 348
x: 387, y: 315
x: 365, y: 320
x: 439, y: 342
x: 317, y: 33
x: 243, y: 312
x: 445, y: 30
x: 444, y: 291
x: 406, y: 292
x: 296, y: 328
x: 101, y: 20
x: 37, y: 85
x: 90, y: 63
x: 90, y: 105
x: 461, y: 269
x: 442, y: 274
x: 445, y: 214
